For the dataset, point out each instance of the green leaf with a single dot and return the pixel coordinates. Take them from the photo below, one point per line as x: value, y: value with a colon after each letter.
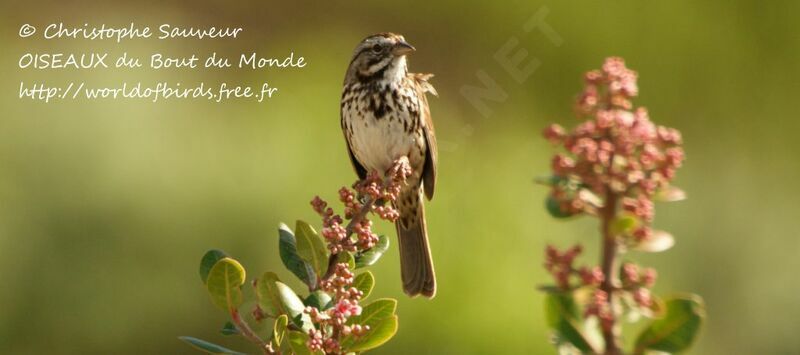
x: 378, y: 334
x: 279, y: 329
x: 229, y: 329
x: 319, y: 299
x: 379, y: 316
x: 289, y: 299
x: 658, y: 309
x: 224, y: 284
x: 269, y: 298
x: 377, y: 310
x: 555, y: 208
x: 297, y: 342
x: 207, y: 262
x: 659, y: 241
x: 623, y: 224
x: 364, y: 282
x: 670, y: 194
x: 287, y: 247
x: 207, y: 347
x: 311, y: 248
x: 549, y: 180
x: 347, y: 258
x: 676, y: 331
x: 550, y: 289
x: 562, y: 316
x: 294, y: 306
x: 559, y: 305
x: 369, y: 257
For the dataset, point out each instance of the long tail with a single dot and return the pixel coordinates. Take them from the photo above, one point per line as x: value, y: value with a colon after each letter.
x: 416, y: 266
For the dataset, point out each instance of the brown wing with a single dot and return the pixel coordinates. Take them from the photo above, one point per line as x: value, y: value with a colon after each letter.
x: 360, y: 170
x: 429, y: 169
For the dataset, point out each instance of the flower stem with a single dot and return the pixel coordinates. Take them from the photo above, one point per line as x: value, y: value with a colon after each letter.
x: 608, y: 264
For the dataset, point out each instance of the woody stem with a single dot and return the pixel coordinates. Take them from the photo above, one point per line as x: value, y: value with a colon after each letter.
x: 608, y: 264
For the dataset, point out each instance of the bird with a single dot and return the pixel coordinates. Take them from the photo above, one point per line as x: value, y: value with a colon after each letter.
x: 384, y: 117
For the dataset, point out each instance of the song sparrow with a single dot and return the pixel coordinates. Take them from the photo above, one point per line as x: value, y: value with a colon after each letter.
x: 385, y: 116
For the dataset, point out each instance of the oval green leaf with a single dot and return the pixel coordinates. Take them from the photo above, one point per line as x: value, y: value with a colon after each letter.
x: 347, y: 258
x: 207, y: 347
x: 555, y: 208
x: 378, y: 334
x: 287, y: 246
x: 294, y: 307
x: 370, y: 256
x: 379, y: 316
x: 290, y: 301
x: 224, y: 284
x: 319, y: 299
x: 676, y: 331
x: 364, y: 282
x: 550, y: 180
x: 311, y: 248
x: 279, y: 329
x: 375, y: 311
x: 297, y: 342
x: 269, y: 298
x: 562, y: 316
x: 229, y: 329
x: 207, y: 262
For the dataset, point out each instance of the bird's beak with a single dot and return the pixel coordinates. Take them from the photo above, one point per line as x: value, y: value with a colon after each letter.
x: 402, y: 48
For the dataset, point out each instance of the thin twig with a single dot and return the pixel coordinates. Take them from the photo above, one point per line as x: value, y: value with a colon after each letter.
x: 248, y: 333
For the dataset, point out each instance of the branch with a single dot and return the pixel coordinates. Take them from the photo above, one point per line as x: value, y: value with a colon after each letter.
x: 608, y: 264
x: 250, y: 335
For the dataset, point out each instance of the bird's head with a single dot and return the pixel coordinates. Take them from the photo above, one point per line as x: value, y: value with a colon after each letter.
x: 382, y: 55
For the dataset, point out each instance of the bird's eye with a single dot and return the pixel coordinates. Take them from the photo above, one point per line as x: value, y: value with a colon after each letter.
x: 377, y: 48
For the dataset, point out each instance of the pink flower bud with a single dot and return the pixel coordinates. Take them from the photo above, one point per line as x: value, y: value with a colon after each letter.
x: 643, y: 297
x: 642, y: 233
x: 649, y: 277
x: 562, y: 164
x: 554, y: 133
x: 630, y: 273
x: 593, y: 77
x: 604, y: 119
x: 592, y: 277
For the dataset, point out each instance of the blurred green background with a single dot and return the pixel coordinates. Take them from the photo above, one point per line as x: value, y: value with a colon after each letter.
x: 107, y: 206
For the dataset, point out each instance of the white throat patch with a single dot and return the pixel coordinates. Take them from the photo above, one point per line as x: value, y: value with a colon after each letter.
x: 397, y: 69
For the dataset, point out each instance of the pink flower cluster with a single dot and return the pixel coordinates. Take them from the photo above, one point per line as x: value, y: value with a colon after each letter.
x: 559, y: 265
x: 374, y: 190
x: 331, y: 324
x: 379, y: 195
x: 600, y: 307
x: 613, y: 165
x: 635, y: 283
x: 617, y: 150
x: 638, y: 283
x: 333, y: 229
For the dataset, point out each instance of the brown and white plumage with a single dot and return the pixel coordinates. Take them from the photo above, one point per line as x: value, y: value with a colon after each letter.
x: 385, y: 116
